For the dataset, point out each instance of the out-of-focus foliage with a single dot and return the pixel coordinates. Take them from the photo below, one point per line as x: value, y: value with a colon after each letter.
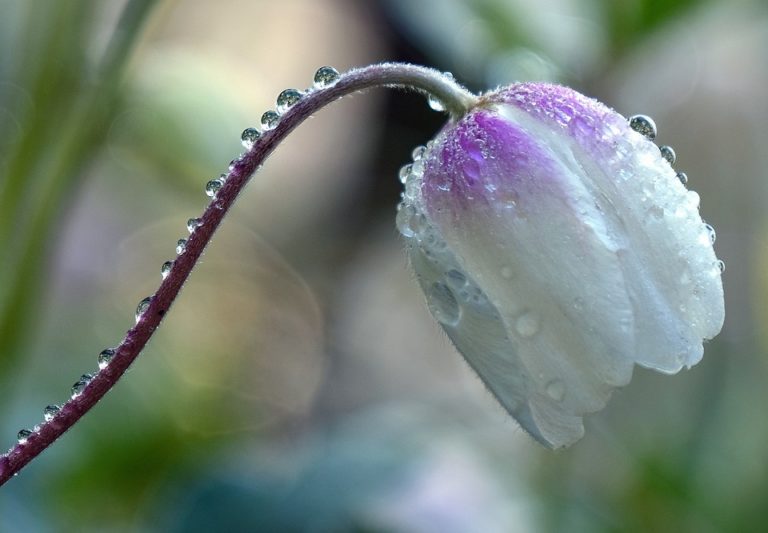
x: 299, y: 383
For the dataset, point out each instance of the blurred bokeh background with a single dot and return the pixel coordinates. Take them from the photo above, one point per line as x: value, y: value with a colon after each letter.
x: 299, y: 383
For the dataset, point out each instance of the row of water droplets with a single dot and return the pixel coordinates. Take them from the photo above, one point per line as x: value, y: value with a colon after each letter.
x: 646, y: 126
x: 324, y: 77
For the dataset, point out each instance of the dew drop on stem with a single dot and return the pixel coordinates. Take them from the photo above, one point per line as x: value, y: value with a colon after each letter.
x: 50, y: 412
x: 325, y: 77
x: 105, y: 357
x: 287, y: 99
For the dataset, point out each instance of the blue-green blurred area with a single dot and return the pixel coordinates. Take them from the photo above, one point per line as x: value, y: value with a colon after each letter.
x: 299, y: 383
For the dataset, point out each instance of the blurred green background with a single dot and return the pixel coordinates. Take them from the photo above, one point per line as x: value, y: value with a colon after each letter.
x: 299, y: 383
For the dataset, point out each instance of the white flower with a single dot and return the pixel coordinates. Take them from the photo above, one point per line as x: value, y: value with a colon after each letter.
x: 558, y: 248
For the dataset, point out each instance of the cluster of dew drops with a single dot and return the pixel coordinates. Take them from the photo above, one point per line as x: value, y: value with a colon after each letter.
x: 324, y: 77
x: 646, y: 127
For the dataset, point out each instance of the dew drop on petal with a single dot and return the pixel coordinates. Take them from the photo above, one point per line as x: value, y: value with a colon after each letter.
x: 142, y: 307
x: 527, y: 324
x: 105, y: 357
x: 325, y: 77
x: 403, y: 220
x: 711, y: 234
x: 443, y: 304
x: 287, y: 99
x: 435, y: 103
x: 668, y: 153
x: 166, y: 269
x: 644, y: 125
x: 249, y: 137
x: 181, y: 246
x: 683, y: 177
x: 269, y: 120
x: 404, y: 172
x: 418, y: 153
x: 720, y: 266
x: 555, y: 389
x: 455, y: 279
x: 213, y: 187
x: 23, y: 435
x: 50, y: 412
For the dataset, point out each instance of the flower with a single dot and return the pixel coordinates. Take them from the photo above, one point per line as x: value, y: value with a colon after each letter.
x: 558, y: 248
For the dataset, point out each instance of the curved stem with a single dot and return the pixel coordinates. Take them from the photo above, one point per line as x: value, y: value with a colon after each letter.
x: 456, y: 100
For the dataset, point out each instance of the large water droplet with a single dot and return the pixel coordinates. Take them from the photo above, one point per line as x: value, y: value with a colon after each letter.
x: 287, y: 99
x: 644, y: 125
x: 79, y: 386
x: 325, y: 77
x: 23, y: 435
x: 443, y: 304
x: 683, y: 177
x: 105, y: 357
x: 181, y: 246
x: 249, y: 137
x: 668, y: 153
x: 555, y: 389
x: 50, y: 412
x: 527, y: 324
x: 193, y: 224
x: 213, y: 187
x: 435, y: 103
x: 142, y: 307
x: 269, y: 120
x: 166, y: 269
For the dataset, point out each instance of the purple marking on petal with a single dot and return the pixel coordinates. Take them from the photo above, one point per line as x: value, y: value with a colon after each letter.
x: 486, y: 162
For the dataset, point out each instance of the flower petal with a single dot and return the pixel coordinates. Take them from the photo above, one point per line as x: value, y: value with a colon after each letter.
x: 557, y: 250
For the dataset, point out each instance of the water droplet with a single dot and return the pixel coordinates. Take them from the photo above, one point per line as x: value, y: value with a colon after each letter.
x: 193, y: 224
x: 325, y: 77
x: 455, y: 279
x: 50, y: 412
x: 644, y: 125
x: 507, y: 272
x: 555, y: 389
x: 443, y: 304
x: 213, y: 187
x: 668, y: 153
x: 105, y: 357
x: 23, y: 435
x: 79, y: 386
x: 418, y: 153
x: 166, y: 269
x: 181, y: 246
x: 287, y: 99
x: 404, y: 172
x: 683, y: 177
x: 403, y: 220
x: 249, y: 137
x: 710, y: 233
x: 142, y: 307
x: 269, y: 120
x: 527, y: 324
x: 720, y: 265
x: 435, y: 103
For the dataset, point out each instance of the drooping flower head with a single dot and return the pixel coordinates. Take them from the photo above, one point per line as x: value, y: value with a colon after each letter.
x: 558, y: 248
